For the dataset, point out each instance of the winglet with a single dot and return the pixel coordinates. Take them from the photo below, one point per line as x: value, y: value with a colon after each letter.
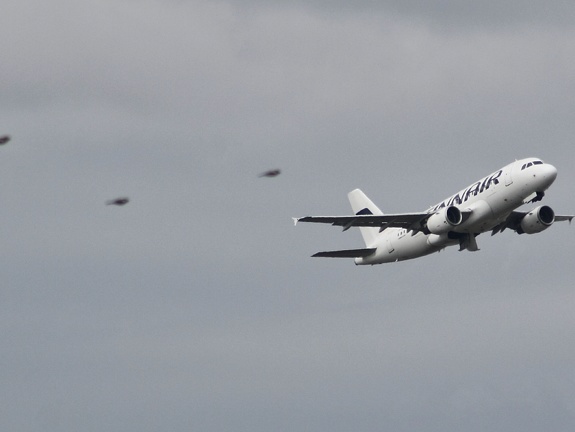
x: 295, y: 220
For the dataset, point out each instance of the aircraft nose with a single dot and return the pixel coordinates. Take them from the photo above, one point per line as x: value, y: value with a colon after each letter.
x: 551, y: 172
x: 547, y: 175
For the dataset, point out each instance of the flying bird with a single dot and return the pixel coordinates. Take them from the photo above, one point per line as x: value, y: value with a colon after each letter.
x: 118, y: 201
x: 270, y: 173
x: 4, y: 139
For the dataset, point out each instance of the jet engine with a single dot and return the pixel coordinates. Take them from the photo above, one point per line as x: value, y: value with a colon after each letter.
x: 537, y: 220
x: 444, y: 220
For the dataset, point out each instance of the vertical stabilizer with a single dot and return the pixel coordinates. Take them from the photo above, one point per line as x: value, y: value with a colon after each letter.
x: 362, y: 205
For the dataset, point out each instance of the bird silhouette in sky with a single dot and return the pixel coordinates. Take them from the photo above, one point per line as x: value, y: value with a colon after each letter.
x: 270, y: 173
x: 4, y: 139
x: 118, y: 201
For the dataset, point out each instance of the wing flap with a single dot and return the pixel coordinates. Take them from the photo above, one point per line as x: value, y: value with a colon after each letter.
x: 347, y: 253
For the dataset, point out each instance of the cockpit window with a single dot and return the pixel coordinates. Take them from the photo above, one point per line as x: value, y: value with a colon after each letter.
x: 527, y: 165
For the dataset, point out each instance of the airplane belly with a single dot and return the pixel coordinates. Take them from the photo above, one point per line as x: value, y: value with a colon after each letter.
x: 479, y: 220
x: 492, y: 209
x: 409, y: 247
x: 504, y: 201
x: 401, y: 249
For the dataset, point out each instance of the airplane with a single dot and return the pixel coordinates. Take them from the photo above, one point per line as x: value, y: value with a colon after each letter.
x: 489, y: 204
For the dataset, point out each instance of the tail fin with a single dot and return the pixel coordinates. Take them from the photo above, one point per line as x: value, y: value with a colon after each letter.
x: 361, y: 205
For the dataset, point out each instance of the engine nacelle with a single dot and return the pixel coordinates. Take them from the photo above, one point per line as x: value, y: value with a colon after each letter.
x: 537, y: 220
x: 444, y: 220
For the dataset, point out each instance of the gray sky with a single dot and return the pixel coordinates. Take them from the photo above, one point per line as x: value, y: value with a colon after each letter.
x: 197, y: 306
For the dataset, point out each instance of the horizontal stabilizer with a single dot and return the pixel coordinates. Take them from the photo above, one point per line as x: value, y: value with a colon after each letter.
x: 348, y: 253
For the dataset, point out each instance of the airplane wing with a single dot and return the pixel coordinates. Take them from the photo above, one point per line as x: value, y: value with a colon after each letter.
x: 400, y: 220
x: 513, y: 221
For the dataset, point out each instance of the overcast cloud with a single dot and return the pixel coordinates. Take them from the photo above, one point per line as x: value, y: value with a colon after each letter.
x: 197, y: 306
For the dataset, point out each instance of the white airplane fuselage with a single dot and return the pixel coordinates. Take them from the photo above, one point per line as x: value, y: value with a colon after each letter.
x: 488, y: 202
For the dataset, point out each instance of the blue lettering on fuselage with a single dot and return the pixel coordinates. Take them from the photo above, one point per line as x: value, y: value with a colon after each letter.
x: 473, y: 190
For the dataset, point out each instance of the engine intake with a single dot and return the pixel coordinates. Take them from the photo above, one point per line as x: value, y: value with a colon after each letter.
x: 444, y: 220
x: 537, y: 220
